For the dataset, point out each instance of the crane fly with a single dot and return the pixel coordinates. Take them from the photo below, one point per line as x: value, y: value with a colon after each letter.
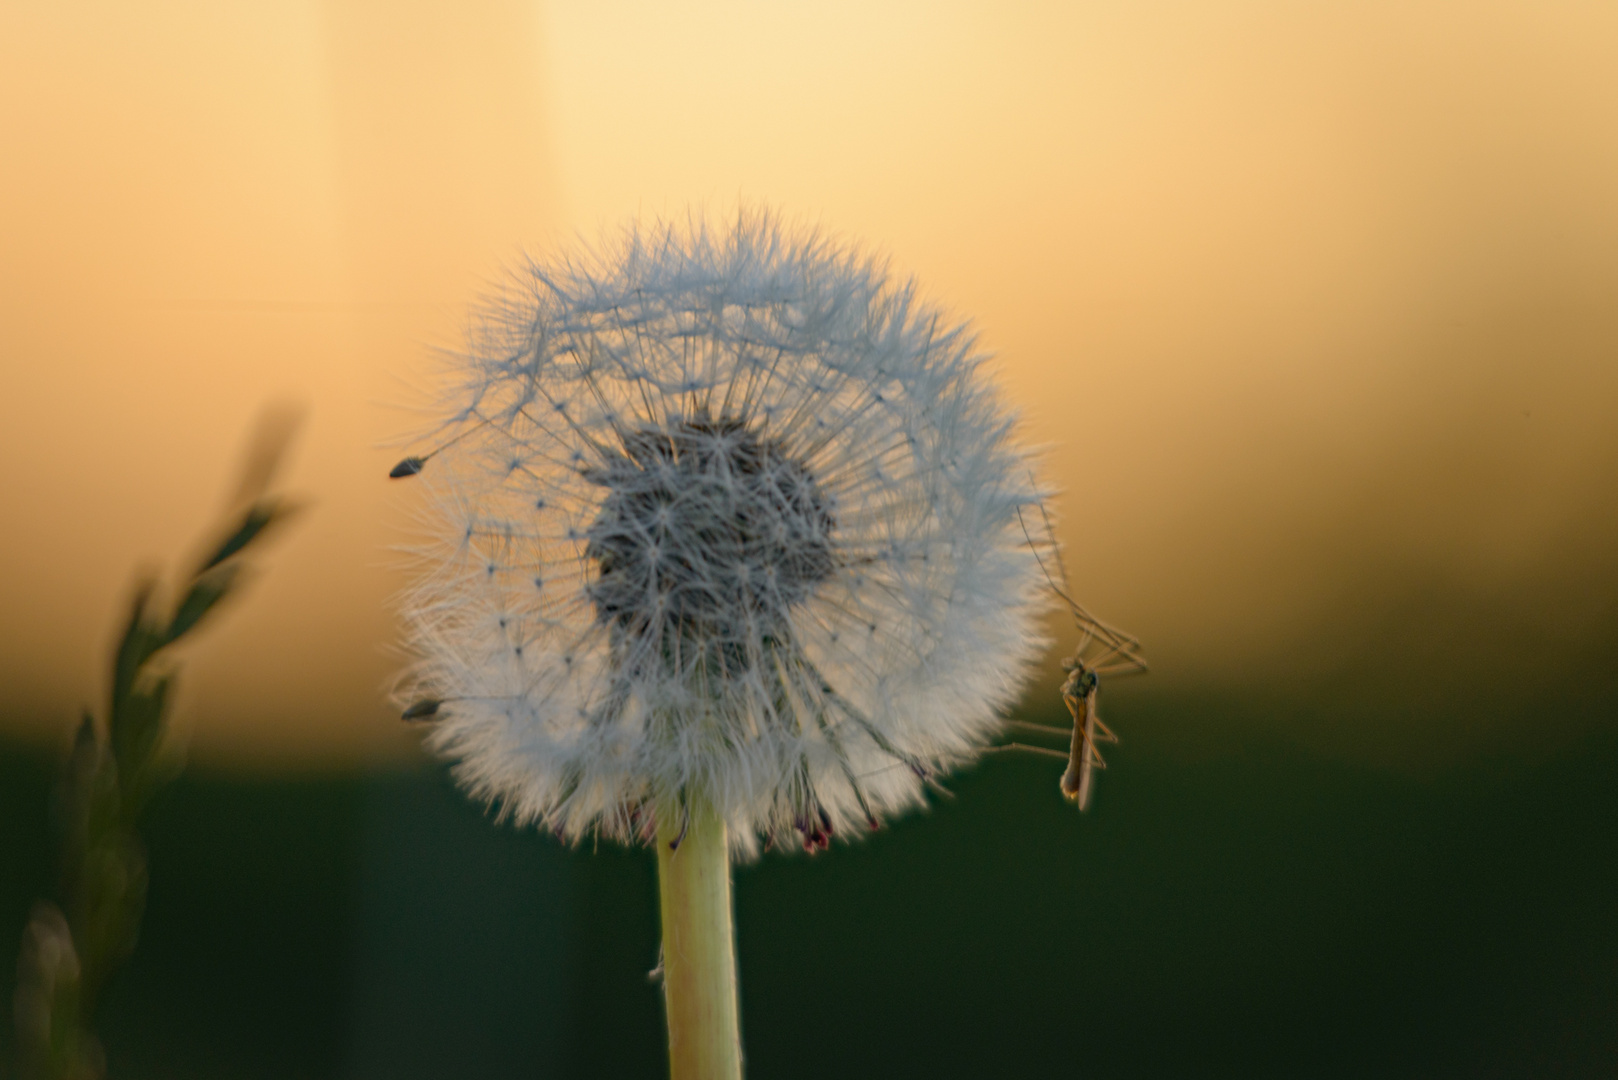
x: 1102, y: 650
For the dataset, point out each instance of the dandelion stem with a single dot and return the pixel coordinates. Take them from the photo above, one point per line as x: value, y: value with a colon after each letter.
x: 699, y: 954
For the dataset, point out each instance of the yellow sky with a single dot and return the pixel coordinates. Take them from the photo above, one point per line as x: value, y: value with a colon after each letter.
x: 1296, y: 296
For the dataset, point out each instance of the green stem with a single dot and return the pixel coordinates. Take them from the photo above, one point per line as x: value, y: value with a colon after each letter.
x: 699, y: 953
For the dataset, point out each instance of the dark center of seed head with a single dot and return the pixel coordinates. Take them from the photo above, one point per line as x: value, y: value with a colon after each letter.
x: 707, y: 528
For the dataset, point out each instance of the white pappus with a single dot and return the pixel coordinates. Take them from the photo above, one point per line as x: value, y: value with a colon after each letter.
x: 718, y: 512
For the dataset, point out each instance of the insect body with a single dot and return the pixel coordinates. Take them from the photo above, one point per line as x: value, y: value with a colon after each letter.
x: 1079, y: 694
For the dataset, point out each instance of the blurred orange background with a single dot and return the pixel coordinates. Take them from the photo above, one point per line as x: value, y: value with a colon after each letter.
x: 1311, y: 307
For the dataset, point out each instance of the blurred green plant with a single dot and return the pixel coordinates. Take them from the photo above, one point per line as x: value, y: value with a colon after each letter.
x: 74, y: 943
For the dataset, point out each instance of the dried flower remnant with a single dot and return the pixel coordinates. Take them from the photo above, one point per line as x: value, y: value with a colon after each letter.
x: 719, y: 513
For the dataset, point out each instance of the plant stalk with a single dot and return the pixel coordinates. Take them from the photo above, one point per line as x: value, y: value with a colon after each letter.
x: 699, y: 952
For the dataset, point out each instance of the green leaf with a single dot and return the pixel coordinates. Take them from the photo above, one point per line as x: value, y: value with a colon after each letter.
x: 75, y: 789
x: 259, y: 517
x: 137, y: 728
x: 87, y: 798
x: 141, y: 639
x: 111, y: 897
x: 206, y: 591
x: 105, y: 798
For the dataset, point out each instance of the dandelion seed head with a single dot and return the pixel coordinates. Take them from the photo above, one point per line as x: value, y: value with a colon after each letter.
x: 722, y: 511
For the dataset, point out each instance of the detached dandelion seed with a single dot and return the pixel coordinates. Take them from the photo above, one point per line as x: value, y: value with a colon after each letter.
x: 723, y: 545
